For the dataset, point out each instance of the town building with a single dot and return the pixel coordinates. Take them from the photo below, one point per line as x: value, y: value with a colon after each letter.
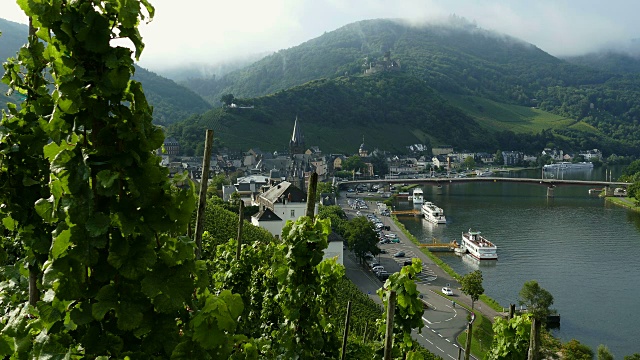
x: 280, y: 203
x: 590, y: 155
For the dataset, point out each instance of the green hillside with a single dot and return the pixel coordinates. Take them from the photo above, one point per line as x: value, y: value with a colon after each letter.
x: 495, y: 116
x: 390, y: 109
x: 171, y: 102
x: 610, y: 61
x: 457, y: 58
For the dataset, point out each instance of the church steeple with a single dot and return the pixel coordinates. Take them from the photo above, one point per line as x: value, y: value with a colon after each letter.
x: 296, y: 144
x: 363, y: 151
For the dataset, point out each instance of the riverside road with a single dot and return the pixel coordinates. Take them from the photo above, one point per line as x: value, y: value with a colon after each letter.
x: 443, y: 321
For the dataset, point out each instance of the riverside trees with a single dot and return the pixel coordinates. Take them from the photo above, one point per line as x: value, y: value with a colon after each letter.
x: 538, y: 301
x: 472, y: 286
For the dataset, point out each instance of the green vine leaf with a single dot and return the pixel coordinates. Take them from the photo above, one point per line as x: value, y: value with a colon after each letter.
x: 60, y: 243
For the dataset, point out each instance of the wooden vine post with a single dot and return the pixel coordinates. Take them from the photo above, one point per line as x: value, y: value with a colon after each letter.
x: 388, y: 337
x: 202, y: 198
x: 311, y: 195
x: 240, y: 223
x: 346, y: 331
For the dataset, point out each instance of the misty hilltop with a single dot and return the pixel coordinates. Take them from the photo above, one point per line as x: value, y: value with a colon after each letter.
x: 446, y: 54
x: 500, y: 82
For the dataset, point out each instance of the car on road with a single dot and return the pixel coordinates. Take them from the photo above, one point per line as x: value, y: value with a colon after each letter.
x: 399, y: 254
x: 447, y: 291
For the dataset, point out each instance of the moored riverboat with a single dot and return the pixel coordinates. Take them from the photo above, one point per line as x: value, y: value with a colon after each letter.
x: 478, y: 246
x: 564, y: 165
x: 418, y: 196
x: 433, y: 214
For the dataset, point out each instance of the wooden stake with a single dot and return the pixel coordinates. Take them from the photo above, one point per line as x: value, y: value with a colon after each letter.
x: 202, y: 199
x: 388, y: 337
x: 346, y: 331
x: 364, y: 336
x: 240, y: 223
x: 311, y: 195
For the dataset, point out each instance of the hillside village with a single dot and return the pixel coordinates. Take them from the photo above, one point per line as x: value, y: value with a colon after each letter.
x: 277, y: 182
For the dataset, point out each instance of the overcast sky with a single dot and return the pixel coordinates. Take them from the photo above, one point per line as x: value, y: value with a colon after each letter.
x: 210, y: 31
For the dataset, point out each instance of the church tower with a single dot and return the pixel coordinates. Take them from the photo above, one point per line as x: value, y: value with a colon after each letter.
x: 363, y: 151
x: 296, y: 144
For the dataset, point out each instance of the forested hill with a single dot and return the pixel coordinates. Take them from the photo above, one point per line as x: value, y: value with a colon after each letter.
x: 610, y: 61
x: 171, y: 102
x: 390, y: 109
x: 456, y: 58
x: 453, y: 56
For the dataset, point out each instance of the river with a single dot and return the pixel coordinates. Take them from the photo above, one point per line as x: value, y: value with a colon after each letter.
x: 582, y: 250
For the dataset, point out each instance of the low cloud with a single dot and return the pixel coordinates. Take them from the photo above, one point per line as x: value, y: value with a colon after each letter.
x: 201, y: 31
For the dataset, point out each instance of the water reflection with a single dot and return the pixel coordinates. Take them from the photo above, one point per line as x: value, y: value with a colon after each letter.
x: 634, y: 217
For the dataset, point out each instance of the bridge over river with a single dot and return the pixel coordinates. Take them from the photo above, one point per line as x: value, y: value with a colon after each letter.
x: 549, y: 183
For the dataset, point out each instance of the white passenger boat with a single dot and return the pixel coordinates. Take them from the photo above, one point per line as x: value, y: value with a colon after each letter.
x: 478, y: 246
x: 433, y: 213
x: 418, y: 196
x: 568, y: 166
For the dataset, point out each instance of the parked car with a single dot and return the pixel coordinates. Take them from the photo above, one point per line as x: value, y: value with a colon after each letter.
x: 383, y: 275
x: 399, y: 254
x: 395, y: 241
x: 407, y: 263
x: 447, y: 291
x: 377, y: 268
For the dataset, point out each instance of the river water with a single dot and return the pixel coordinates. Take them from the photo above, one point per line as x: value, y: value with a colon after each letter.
x: 584, y: 251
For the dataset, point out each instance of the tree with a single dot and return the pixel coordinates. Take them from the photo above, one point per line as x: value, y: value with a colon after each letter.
x: 635, y: 356
x: 324, y: 188
x: 537, y: 301
x: 574, y: 350
x: 498, y: 159
x: 353, y: 163
x: 336, y: 215
x: 380, y: 165
x: 227, y: 99
x: 468, y: 163
x: 360, y: 236
x: 472, y: 285
x: 604, y: 353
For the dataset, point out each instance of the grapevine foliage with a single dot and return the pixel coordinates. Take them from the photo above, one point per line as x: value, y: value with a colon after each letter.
x: 408, y: 310
x: 118, y: 278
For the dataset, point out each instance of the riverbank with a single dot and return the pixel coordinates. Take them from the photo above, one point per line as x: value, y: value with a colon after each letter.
x: 626, y: 202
